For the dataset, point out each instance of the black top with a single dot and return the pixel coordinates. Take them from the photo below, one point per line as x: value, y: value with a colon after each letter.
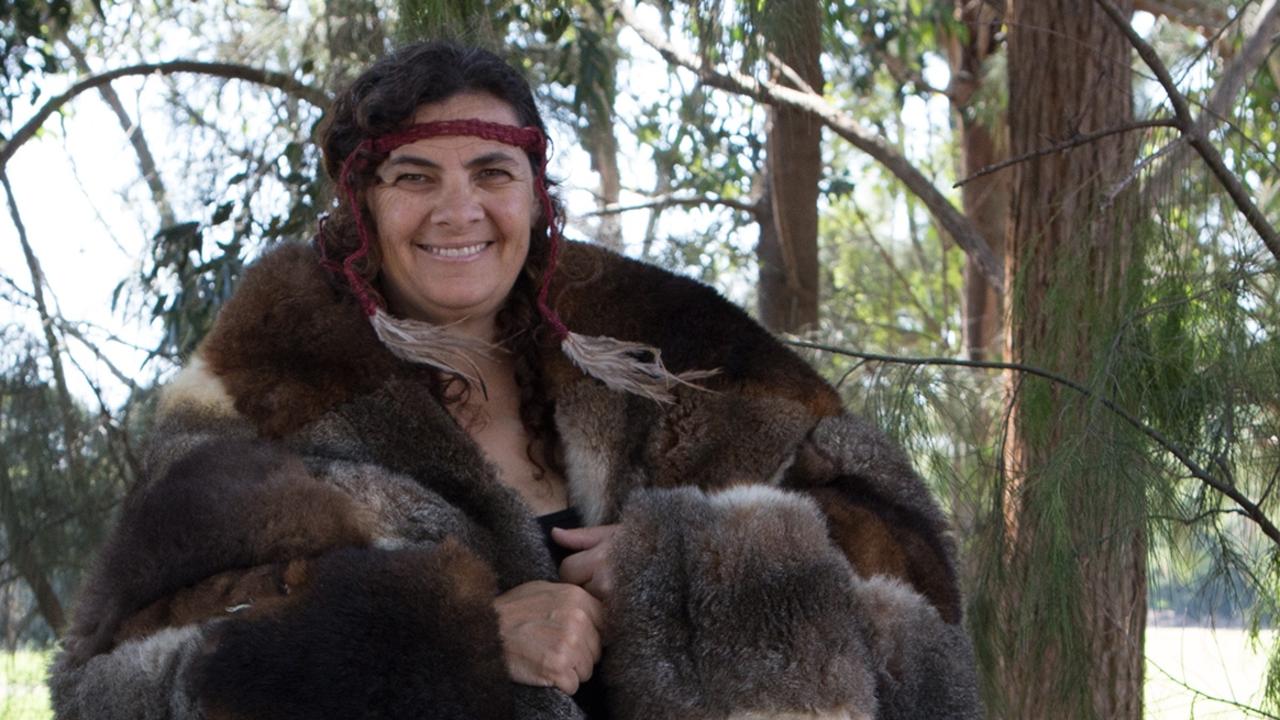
x: 591, y: 694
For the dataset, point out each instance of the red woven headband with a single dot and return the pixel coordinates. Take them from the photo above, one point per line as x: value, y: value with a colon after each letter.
x: 529, y: 139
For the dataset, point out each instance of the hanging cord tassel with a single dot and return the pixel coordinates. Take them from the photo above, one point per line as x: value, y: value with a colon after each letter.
x: 432, y: 345
x: 628, y: 367
x: 622, y: 365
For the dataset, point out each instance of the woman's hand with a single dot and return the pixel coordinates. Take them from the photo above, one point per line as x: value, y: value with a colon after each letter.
x: 589, y: 566
x: 550, y: 633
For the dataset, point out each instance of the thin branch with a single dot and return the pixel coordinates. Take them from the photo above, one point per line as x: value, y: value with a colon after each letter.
x: 667, y: 201
x: 1079, y: 139
x: 1213, y: 698
x: 1226, y: 486
x: 1200, y: 517
x: 934, y: 325
x: 133, y: 130
x: 949, y: 217
x: 230, y: 71
x: 1195, y: 133
x: 1253, y: 53
x: 68, y: 329
x: 114, y: 431
x: 1146, y: 162
x: 65, y: 406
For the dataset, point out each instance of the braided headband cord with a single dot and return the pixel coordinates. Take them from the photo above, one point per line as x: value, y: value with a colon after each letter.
x: 624, y: 366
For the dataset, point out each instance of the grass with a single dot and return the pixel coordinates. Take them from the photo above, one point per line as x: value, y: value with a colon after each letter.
x: 1217, y: 664
x: 23, y: 695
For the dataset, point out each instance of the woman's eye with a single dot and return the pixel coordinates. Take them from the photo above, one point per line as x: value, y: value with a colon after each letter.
x: 411, y: 180
x: 493, y: 174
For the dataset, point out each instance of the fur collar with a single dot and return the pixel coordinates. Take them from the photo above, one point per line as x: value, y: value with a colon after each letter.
x: 292, y: 344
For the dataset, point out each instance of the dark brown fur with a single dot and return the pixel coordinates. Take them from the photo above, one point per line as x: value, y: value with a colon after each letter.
x: 315, y: 662
x: 226, y: 505
x: 600, y: 293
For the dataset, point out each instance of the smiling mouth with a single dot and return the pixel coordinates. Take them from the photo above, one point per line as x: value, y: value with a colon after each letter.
x: 454, y: 252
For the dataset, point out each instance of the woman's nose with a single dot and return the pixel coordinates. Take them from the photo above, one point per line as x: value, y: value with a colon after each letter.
x: 457, y: 205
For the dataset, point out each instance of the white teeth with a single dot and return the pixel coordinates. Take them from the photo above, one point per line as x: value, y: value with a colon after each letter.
x: 454, y: 251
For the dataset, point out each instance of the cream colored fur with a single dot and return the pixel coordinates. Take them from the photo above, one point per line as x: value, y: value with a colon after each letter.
x: 196, y: 387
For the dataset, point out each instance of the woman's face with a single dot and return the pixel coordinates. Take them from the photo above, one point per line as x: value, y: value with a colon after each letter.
x: 453, y: 217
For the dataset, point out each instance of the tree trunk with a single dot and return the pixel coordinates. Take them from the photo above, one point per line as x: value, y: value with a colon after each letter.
x: 603, y: 146
x: 788, y: 251
x: 353, y: 37
x: 24, y: 559
x: 985, y: 199
x: 1074, y: 595
x: 601, y: 142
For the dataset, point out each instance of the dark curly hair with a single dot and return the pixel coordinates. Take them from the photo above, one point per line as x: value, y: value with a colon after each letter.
x: 383, y: 99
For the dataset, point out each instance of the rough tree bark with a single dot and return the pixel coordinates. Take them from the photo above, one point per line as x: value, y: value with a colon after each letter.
x: 1069, y: 73
x: 788, y: 248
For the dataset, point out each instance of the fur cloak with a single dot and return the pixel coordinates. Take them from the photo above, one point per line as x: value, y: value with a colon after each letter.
x: 316, y: 537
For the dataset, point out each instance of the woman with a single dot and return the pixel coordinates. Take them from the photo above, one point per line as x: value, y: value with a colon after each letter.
x: 340, y: 516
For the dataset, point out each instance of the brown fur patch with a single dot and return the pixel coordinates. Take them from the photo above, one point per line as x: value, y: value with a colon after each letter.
x: 880, y: 539
x: 290, y: 344
x: 244, y: 593
x: 598, y: 292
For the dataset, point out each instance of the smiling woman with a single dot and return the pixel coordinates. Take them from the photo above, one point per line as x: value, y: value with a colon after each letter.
x: 392, y: 483
x: 453, y: 217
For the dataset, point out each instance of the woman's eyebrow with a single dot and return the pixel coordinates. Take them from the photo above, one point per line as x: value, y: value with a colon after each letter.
x: 490, y: 158
x: 412, y: 160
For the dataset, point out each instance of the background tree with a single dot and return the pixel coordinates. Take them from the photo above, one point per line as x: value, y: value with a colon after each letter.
x: 1073, y: 556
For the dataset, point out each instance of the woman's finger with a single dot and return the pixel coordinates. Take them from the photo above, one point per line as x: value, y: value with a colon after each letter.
x: 583, y: 538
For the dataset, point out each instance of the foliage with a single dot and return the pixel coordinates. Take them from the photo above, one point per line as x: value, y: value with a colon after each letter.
x: 50, y: 513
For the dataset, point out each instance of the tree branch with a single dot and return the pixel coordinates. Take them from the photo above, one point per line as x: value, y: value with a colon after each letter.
x: 1196, y: 134
x: 1226, y: 486
x: 1067, y: 145
x: 948, y: 216
x: 666, y: 201
x: 230, y: 71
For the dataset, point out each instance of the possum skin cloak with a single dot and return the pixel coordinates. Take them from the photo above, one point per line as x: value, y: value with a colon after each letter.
x: 316, y: 537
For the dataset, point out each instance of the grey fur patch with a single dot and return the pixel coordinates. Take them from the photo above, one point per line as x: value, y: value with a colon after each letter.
x: 402, y: 508
x: 616, y: 443
x: 138, y: 680
x: 591, y: 421
x: 411, y: 434
x: 535, y: 703
x: 925, y: 666
x: 700, y: 439
x: 185, y: 428
x: 859, y: 448
x: 732, y: 604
